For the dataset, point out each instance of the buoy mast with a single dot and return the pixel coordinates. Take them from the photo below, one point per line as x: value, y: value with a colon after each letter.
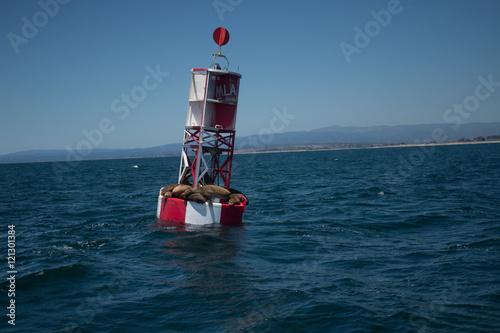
x: 208, y: 143
x: 207, y: 150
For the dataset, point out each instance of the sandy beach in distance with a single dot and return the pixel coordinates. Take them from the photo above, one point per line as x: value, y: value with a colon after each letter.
x: 299, y: 148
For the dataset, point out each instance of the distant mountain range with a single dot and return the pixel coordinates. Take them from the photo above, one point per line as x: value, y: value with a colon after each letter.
x: 334, y: 136
x: 384, y: 134
x: 172, y: 149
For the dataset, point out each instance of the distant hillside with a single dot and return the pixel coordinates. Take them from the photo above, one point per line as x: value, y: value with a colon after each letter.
x: 332, y: 135
x: 373, y: 135
x: 172, y: 149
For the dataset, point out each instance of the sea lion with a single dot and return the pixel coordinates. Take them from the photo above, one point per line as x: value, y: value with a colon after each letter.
x: 236, y: 198
x: 211, y: 191
x: 208, y: 191
x: 184, y: 195
x: 185, y: 179
x: 162, y: 191
x: 168, y: 189
x: 239, y: 195
x: 197, y: 197
x: 179, y: 189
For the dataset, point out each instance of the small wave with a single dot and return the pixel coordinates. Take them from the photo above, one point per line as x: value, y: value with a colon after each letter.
x: 64, y: 248
x: 53, y: 274
x: 96, y: 244
x: 387, y: 226
x: 487, y: 244
x: 490, y: 242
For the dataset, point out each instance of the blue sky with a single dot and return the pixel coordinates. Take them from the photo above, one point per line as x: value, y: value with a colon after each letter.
x: 64, y: 63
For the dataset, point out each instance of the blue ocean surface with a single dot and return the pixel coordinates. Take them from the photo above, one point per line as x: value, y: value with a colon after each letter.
x: 369, y: 240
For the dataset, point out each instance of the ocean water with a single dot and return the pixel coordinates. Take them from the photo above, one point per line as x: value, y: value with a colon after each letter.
x: 370, y: 240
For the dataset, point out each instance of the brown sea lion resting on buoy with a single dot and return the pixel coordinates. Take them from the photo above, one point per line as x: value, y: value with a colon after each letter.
x: 203, y: 194
x: 211, y: 191
x: 197, y: 197
x: 208, y: 191
x: 234, y: 199
x: 167, y: 190
x: 185, y: 179
x: 235, y: 196
x: 179, y: 190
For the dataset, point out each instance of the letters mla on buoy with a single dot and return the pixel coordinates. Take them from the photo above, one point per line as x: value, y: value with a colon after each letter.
x: 202, y: 194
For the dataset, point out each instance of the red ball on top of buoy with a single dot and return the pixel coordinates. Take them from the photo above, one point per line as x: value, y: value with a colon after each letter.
x: 221, y: 36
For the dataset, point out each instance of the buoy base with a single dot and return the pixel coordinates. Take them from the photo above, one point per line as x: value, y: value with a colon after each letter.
x: 183, y: 211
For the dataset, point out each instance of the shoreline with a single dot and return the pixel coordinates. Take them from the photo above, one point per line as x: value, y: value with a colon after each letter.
x: 303, y: 148
x: 281, y: 149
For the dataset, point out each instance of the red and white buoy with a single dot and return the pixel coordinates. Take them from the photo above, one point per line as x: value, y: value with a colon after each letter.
x: 208, y: 144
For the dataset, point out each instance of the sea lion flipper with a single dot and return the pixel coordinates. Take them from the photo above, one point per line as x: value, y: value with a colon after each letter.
x: 234, y: 199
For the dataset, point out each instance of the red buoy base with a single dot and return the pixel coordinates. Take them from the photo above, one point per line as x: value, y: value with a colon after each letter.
x: 184, y: 211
